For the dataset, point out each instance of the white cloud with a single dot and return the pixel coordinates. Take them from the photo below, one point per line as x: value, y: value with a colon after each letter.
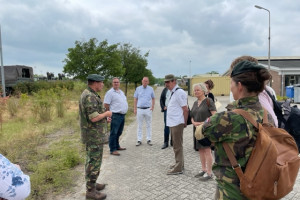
x: 210, y: 34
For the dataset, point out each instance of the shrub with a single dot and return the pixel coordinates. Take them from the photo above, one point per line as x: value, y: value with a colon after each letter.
x: 43, y: 104
x: 61, y: 96
x: 34, y: 87
x: 281, y: 98
x: 13, y: 106
x: 55, y: 169
x: 2, y: 110
x: 24, y: 99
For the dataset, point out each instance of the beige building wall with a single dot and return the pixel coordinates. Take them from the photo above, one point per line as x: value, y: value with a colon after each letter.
x: 222, y: 84
x: 276, y: 82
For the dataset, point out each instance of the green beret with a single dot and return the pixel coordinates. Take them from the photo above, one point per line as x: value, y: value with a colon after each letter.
x: 245, y: 66
x: 95, y: 77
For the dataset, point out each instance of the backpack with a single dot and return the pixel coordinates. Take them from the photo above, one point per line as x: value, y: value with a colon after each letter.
x: 273, y: 165
x: 288, y: 117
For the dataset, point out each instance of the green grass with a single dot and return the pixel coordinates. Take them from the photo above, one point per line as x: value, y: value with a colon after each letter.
x: 48, y: 151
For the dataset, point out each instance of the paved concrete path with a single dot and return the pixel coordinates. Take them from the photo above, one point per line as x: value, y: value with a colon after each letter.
x: 140, y: 172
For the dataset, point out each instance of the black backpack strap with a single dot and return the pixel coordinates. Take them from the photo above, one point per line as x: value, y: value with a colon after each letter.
x: 276, y: 106
x: 174, y: 91
x: 278, y: 110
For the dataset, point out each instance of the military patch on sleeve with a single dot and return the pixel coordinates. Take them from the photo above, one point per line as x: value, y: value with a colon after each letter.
x: 207, y: 123
x: 207, y: 120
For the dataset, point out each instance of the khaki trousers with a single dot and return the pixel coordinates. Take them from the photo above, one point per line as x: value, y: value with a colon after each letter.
x: 177, y: 138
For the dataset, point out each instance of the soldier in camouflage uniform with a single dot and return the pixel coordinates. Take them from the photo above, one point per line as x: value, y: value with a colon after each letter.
x: 247, y: 82
x: 92, y: 122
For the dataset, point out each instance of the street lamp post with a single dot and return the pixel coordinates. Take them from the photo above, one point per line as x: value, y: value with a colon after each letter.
x: 259, y: 7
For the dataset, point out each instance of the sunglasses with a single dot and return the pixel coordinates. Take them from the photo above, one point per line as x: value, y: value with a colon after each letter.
x: 168, y: 81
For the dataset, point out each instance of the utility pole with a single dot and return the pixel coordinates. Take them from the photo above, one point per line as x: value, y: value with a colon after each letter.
x: 190, y: 69
x: 2, y: 68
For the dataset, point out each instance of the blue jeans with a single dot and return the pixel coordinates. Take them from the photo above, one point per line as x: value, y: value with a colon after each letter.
x: 166, y: 130
x: 116, y: 129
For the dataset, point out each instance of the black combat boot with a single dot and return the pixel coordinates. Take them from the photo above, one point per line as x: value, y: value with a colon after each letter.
x: 94, y: 194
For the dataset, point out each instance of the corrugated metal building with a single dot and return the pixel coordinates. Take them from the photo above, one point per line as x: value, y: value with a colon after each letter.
x: 222, y: 84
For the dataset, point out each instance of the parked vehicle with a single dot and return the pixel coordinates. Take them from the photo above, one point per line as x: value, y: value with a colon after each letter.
x: 15, y: 74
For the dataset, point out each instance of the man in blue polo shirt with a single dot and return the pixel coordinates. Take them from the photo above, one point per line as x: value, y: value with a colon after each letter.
x: 116, y: 102
x: 144, y: 100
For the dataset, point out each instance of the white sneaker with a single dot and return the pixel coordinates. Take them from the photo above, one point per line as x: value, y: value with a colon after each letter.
x: 206, y: 177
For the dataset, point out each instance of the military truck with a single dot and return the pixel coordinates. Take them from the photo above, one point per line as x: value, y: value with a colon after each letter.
x: 15, y: 74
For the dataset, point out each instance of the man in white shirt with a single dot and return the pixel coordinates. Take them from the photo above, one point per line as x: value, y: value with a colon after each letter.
x: 116, y: 102
x: 176, y: 120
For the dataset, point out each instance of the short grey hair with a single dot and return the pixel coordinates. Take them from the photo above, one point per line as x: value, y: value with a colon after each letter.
x: 202, y: 87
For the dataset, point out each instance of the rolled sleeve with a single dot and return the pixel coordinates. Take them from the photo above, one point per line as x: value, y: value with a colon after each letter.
x: 93, y: 115
x: 92, y: 107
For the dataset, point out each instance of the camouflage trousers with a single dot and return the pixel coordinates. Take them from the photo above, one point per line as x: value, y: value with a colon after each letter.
x: 228, y: 192
x: 94, y: 153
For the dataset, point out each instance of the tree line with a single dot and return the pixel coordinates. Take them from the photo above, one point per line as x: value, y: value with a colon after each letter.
x: 116, y: 60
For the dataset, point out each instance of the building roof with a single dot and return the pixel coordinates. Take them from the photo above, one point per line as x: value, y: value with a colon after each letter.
x: 281, y: 62
x: 289, y: 64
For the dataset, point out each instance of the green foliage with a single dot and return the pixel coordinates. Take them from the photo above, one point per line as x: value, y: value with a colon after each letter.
x: 55, y: 169
x: 2, y: 110
x: 24, y: 99
x: 46, y: 100
x: 49, y: 152
x: 13, y: 104
x: 89, y: 58
x: 42, y: 106
x: 212, y: 72
x: 160, y: 81
x: 281, y: 98
x: 134, y: 63
x: 61, y: 96
x: 34, y: 87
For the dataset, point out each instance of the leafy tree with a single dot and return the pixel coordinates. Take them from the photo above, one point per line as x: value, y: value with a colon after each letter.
x: 88, y: 57
x: 149, y: 74
x: 134, y: 64
x: 160, y: 81
x: 212, y: 72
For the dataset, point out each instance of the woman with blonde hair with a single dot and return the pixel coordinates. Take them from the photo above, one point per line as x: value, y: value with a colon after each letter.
x: 203, y: 108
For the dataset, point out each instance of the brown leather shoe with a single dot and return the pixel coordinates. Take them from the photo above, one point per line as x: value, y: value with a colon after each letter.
x: 121, y: 148
x: 115, y: 153
x: 94, y: 194
x: 100, y: 186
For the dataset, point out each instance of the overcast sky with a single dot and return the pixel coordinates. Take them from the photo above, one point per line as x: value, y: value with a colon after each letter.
x: 183, y: 36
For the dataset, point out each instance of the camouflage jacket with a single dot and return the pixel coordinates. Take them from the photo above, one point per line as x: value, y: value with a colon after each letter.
x: 90, y: 106
x: 240, y: 135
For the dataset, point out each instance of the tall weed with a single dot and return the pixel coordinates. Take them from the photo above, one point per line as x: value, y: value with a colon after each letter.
x: 61, y: 97
x: 2, y: 110
x: 23, y: 99
x: 43, y: 105
x: 13, y: 106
